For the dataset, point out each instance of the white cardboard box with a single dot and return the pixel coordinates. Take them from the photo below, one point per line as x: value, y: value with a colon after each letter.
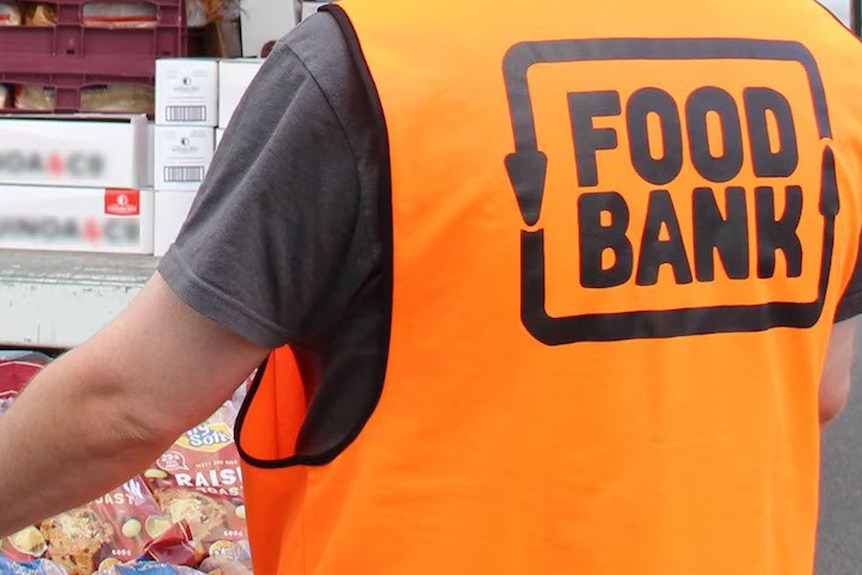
x: 219, y: 136
x: 151, y: 156
x: 172, y: 208
x: 309, y: 8
x: 187, y: 91
x: 234, y: 77
x: 262, y: 21
x: 182, y: 156
x: 79, y: 150
x: 76, y: 219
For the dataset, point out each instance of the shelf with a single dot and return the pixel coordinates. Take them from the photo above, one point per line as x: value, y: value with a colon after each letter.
x: 58, y: 300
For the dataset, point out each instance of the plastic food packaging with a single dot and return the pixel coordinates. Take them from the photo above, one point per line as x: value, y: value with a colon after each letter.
x: 148, y: 568
x: 37, y: 567
x: 199, y: 13
x: 10, y: 14
x: 176, y: 546
x: 120, y: 15
x: 196, y: 14
x: 26, y: 545
x: 119, y: 98
x: 187, y: 508
x: 114, y: 529
x: 233, y: 560
x: 199, y: 481
x: 40, y: 15
x: 34, y: 98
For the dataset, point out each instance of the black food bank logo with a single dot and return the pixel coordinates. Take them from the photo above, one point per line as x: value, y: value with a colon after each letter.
x: 761, y: 127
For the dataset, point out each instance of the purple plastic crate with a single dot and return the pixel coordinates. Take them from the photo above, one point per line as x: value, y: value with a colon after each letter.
x: 67, y: 87
x: 69, y: 57
x: 71, y: 48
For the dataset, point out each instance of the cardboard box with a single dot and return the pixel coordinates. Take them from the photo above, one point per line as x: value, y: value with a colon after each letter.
x: 151, y: 156
x: 187, y: 92
x: 172, y: 208
x: 309, y: 8
x: 219, y: 136
x: 234, y: 77
x: 76, y: 219
x: 182, y: 156
x: 87, y: 150
x: 262, y: 21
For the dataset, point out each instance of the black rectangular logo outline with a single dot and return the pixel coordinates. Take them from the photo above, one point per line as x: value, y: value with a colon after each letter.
x: 527, y: 166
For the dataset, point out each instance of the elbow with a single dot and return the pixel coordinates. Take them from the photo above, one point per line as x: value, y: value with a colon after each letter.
x: 128, y: 430
x: 125, y: 440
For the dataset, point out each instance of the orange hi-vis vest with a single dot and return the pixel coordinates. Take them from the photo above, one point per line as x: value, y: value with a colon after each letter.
x: 615, y: 235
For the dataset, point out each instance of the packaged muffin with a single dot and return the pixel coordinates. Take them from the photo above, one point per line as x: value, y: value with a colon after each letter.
x: 115, y: 529
x: 75, y: 540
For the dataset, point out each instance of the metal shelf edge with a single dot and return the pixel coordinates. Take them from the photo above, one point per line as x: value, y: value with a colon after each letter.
x: 58, y: 300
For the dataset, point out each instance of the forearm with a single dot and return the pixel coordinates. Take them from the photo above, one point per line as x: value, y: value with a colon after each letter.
x: 109, y: 408
x: 67, y: 440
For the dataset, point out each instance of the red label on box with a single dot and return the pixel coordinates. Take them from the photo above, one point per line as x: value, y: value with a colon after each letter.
x: 122, y: 202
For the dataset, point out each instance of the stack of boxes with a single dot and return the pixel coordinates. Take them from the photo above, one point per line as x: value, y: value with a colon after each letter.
x: 117, y: 183
x: 234, y: 78
x: 76, y: 183
x: 195, y: 99
x: 310, y: 7
x: 186, y: 118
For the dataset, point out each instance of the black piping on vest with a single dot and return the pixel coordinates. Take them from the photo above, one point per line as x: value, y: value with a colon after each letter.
x: 386, y: 260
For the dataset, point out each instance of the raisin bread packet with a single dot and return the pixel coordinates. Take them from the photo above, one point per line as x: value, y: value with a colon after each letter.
x: 198, y: 480
x: 113, y: 530
x: 135, y: 519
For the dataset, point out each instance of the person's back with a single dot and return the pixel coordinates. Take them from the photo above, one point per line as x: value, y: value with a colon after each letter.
x: 620, y: 234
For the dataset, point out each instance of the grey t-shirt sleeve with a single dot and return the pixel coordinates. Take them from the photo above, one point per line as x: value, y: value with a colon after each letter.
x: 276, y: 244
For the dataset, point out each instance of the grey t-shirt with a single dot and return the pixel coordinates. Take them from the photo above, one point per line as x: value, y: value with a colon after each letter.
x: 283, y: 236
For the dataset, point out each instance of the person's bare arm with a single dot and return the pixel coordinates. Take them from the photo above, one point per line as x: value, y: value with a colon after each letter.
x: 107, y: 409
x: 837, y: 373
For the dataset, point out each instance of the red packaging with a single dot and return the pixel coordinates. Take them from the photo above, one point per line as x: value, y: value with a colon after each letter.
x: 16, y: 371
x: 175, y: 547
x: 199, y: 481
x: 135, y: 517
x: 26, y: 545
x: 114, y: 529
